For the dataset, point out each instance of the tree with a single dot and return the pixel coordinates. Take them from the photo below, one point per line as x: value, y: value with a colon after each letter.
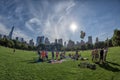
x: 116, y: 38
x: 100, y: 44
x: 89, y: 46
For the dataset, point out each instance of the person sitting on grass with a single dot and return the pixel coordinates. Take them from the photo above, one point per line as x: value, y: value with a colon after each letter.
x: 70, y: 55
x: 77, y: 55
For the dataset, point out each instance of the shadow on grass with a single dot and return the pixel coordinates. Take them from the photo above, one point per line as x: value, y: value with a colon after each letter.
x: 35, y: 61
x: 113, y: 63
x: 109, y: 68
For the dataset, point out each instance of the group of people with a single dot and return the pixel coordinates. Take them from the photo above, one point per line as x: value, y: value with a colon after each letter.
x: 75, y: 56
x: 99, y: 55
x: 55, y: 54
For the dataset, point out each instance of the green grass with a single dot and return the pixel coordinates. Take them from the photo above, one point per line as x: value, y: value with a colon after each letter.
x: 19, y: 66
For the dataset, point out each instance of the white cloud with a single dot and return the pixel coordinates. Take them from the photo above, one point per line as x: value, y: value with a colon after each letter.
x: 53, y: 24
x: 33, y: 24
x: 16, y: 33
x: 3, y: 29
x: 21, y: 34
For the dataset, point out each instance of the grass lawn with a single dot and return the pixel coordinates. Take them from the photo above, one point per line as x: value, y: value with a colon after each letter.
x: 20, y: 66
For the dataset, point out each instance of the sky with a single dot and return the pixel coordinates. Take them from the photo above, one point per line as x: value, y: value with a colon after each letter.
x: 53, y: 18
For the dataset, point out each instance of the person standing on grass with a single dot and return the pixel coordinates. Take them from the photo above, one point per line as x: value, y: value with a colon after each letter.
x: 93, y: 54
x: 101, y: 55
x: 43, y: 55
x: 46, y: 52
x: 39, y: 54
x: 53, y: 55
x: 105, y: 53
x: 96, y: 55
x: 57, y: 53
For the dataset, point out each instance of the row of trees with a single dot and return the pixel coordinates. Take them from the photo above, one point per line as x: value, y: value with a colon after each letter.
x: 16, y: 44
x: 114, y: 41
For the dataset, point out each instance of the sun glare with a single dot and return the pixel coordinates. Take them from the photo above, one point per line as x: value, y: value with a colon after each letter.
x: 73, y: 27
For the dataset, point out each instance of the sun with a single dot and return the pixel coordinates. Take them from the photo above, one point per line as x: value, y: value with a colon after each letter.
x: 73, y: 27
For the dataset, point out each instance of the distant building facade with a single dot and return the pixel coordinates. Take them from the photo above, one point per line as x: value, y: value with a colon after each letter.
x: 97, y: 40
x: 31, y: 43
x: 60, y: 41
x: 89, y: 39
x: 40, y: 40
x: 47, y: 42
x: 11, y: 33
x: 70, y: 44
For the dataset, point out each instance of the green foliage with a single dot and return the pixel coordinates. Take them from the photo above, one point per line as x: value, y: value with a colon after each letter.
x: 89, y: 46
x: 100, y: 44
x: 16, y: 44
x: 116, y: 38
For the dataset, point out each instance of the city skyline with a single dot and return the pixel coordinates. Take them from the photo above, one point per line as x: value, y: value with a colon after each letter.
x: 53, y: 19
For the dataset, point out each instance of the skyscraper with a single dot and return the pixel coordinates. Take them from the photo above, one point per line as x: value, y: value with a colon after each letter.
x: 0, y: 35
x: 40, y: 40
x: 31, y: 43
x: 17, y: 38
x: 55, y: 41
x: 70, y: 44
x: 11, y: 33
x: 97, y: 40
x: 47, y: 41
x: 60, y: 41
x: 65, y: 44
x: 89, y: 39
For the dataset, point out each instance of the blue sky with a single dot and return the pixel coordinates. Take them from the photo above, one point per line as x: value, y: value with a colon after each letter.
x: 52, y: 18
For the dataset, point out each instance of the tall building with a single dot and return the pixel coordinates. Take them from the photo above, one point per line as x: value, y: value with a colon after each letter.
x: 82, y: 42
x: 31, y: 43
x: 40, y: 40
x: 97, y: 40
x: 47, y: 41
x: 70, y: 44
x: 0, y: 35
x: 17, y: 38
x: 65, y: 44
x: 55, y: 41
x: 77, y: 43
x: 11, y: 33
x: 89, y: 39
x: 21, y: 39
x: 60, y: 41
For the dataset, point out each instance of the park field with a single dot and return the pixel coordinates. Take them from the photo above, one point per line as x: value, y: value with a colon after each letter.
x: 20, y: 66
